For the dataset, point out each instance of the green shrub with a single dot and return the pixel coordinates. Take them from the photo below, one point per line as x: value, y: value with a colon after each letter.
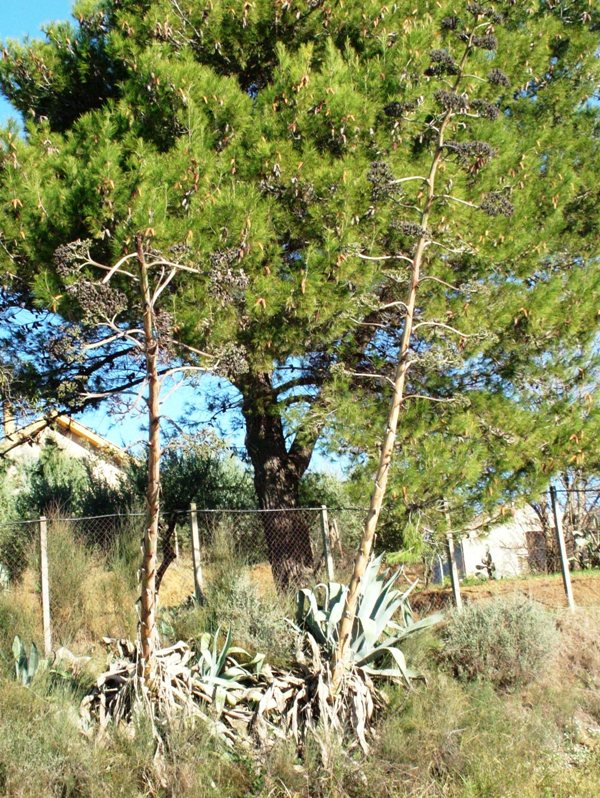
x: 257, y: 622
x: 89, y: 597
x: 233, y: 602
x: 69, y: 564
x: 124, y: 555
x: 507, y: 642
x: 16, y: 550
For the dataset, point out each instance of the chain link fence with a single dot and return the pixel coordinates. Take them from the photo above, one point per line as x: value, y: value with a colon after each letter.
x: 19, y: 550
x: 93, y: 562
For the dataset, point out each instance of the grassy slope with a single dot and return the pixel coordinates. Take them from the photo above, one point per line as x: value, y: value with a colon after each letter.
x: 446, y: 739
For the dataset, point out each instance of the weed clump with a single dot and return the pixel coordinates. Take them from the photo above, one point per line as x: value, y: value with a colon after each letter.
x: 256, y: 621
x: 507, y: 642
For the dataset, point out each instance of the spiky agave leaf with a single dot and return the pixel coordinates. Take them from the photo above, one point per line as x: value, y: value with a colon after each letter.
x: 375, y: 635
x: 319, y: 610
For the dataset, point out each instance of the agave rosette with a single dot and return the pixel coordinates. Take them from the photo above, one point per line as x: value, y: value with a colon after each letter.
x: 375, y: 633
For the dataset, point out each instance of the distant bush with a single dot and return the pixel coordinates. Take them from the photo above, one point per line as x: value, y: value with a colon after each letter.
x: 208, y: 475
x: 507, y: 642
x: 257, y: 622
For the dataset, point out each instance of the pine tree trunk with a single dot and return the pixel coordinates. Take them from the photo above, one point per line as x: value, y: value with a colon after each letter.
x: 277, y: 474
x: 150, y: 544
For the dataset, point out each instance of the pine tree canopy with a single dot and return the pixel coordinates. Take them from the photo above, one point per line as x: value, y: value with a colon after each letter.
x: 281, y: 150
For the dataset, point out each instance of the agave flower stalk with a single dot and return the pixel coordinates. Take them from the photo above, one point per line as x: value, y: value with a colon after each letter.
x: 341, y: 659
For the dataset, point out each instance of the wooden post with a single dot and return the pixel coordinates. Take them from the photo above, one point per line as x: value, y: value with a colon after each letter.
x: 196, y: 555
x: 334, y: 537
x: 327, y: 544
x: 45, y: 586
x: 176, y: 543
x: 564, y: 562
x: 452, y: 561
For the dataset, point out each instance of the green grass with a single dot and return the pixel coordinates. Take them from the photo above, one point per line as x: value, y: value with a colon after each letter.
x: 445, y: 739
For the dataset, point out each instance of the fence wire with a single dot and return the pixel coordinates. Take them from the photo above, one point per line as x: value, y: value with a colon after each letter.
x: 96, y: 558
x: 18, y: 550
x: 282, y: 547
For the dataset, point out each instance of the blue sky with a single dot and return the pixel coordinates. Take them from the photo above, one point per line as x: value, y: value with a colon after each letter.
x: 20, y: 18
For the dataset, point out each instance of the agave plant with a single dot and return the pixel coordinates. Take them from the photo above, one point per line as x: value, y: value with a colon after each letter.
x: 375, y: 634
x: 228, y: 672
x: 26, y: 666
x: 243, y: 699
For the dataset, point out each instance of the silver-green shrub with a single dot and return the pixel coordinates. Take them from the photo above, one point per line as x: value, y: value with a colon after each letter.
x: 508, y: 642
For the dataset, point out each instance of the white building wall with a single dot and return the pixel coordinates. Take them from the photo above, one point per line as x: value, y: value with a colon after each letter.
x: 505, y: 541
x: 71, y: 446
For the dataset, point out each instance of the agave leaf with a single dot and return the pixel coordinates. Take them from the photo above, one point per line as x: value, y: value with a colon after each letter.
x: 20, y: 660
x: 257, y: 663
x: 400, y: 670
x: 385, y: 612
x: 409, y: 589
x: 417, y: 626
x: 234, y: 671
x: 236, y: 651
x: 387, y: 593
x: 204, y: 642
x: 34, y: 661
x: 380, y: 600
x: 369, y: 633
x: 214, y: 654
x: 17, y: 648
x: 318, y: 611
x: 392, y: 673
x: 221, y: 681
x: 219, y: 697
x: 335, y: 610
x: 370, y: 587
x: 308, y: 614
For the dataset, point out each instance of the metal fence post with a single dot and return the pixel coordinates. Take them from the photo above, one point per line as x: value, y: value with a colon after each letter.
x: 453, y: 571
x: 564, y: 562
x: 452, y: 561
x: 45, y: 586
x: 327, y: 544
x: 196, y: 555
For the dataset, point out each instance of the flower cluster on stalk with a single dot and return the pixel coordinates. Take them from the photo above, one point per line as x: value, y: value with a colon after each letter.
x: 382, y: 181
x: 226, y: 282
x: 471, y: 155
x: 496, y: 203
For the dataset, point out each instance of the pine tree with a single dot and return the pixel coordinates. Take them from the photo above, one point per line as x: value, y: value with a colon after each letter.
x: 284, y: 148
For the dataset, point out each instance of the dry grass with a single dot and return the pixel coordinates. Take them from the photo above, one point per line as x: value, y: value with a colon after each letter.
x: 444, y: 740
x: 178, y: 582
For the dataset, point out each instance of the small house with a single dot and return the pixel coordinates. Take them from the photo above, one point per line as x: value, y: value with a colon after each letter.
x: 23, y: 445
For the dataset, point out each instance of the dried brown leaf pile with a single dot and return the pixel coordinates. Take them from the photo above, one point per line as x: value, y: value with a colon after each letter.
x: 243, y: 706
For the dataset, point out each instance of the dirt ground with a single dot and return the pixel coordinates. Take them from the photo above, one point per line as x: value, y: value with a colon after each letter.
x: 547, y: 590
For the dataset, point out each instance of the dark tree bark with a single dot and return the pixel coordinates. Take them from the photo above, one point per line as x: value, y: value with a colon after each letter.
x: 277, y: 474
x: 169, y: 555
